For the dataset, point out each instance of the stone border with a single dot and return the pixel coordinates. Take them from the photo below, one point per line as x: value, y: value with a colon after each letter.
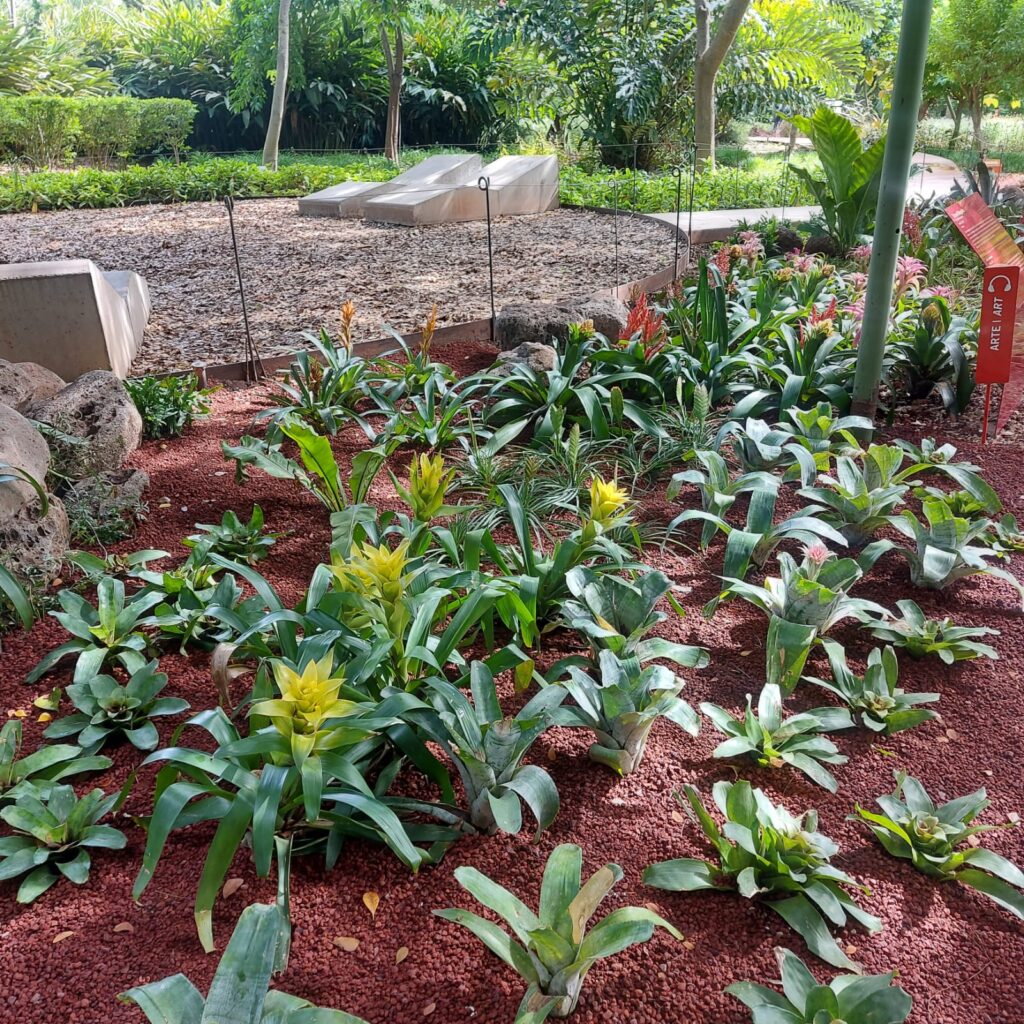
x: 470, y: 330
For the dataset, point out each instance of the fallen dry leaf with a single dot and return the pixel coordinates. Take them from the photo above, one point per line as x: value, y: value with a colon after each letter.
x: 677, y: 817
x: 231, y: 886
x: 552, y: 753
x: 429, y: 1009
x: 371, y: 900
x: 1013, y: 817
x: 346, y: 942
x: 124, y: 926
x: 401, y: 953
x: 952, y: 734
x: 61, y: 936
x: 687, y: 944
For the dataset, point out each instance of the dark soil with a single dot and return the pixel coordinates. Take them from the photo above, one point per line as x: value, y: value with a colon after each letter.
x: 957, y: 953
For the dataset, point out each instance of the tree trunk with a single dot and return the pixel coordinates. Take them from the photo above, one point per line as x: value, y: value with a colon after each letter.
x: 711, y: 51
x: 270, y: 147
x: 976, y: 111
x: 958, y: 117
x: 394, y: 62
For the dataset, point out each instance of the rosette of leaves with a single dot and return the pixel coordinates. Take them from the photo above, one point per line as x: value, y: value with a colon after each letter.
x: 931, y: 836
x: 850, y: 998
x: 617, y: 614
x: 487, y: 748
x: 622, y: 706
x: 110, y: 632
x: 296, y: 778
x: 919, y: 635
x: 718, y: 491
x: 805, y: 601
x: 874, y: 696
x: 947, y: 548
x: 552, y: 950
x: 774, y: 741
x: 240, y: 990
x: 231, y: 537
x: 53, y: 832
x: 39, y: 770
x: 767, y: 853
x: 106, y: 708
x: 859, y: 499
x: 815, y: 591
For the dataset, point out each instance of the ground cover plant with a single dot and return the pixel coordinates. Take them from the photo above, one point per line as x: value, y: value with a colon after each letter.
x: 463, y: 610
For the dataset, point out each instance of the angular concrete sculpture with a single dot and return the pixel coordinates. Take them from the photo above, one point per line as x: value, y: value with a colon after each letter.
x: 518, y: 185
x: 349, y: 198
x: 71, y: 317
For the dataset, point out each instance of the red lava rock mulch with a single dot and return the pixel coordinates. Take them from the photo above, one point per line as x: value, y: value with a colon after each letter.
x: 957, y: 953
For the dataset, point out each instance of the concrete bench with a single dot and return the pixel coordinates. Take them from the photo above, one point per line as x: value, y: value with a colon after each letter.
x: 71, y: 317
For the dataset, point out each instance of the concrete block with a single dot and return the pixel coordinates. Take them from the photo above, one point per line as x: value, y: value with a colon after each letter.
x: 66, y: 316
x: 519, y: 185
x: 133, y: 289
x: 349, y: 198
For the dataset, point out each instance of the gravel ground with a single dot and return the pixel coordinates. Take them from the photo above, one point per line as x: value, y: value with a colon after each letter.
x: 957, y: 953
x: 299, y: 270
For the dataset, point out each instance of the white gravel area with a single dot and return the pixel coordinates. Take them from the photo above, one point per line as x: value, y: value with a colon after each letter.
x: 298, y: 271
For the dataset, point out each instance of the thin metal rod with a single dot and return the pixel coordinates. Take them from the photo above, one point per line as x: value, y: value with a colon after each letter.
x: 253, y: 363
x: 693, y: 185
x: 679, y: 213
x: 985, y: 414
x: 615, y: 226
x: 484, y: 184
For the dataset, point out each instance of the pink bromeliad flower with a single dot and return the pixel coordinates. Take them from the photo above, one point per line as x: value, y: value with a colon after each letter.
x: 860, y: 254
x: 817, y: 553
x: 910, y: 274
x: 941, y: 291
x: 857, y: 281
x: 802, y: 263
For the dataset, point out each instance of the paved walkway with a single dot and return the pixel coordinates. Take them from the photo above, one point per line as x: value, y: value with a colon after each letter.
x: 933, y: 176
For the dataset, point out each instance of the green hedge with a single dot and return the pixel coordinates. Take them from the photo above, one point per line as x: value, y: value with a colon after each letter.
x: 49, y: 131
x: 208, y: 179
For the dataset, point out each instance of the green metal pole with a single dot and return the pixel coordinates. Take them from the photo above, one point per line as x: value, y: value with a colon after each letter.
x: 892, y: 197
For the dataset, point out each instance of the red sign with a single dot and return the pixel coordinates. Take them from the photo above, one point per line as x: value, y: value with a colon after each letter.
x: 998, y: 315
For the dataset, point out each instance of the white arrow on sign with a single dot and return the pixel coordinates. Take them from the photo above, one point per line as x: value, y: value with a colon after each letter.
x: 1000, y: 277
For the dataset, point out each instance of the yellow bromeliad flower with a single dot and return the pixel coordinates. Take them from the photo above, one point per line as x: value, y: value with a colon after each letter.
x: 428, y: 484
x: 308, y: 699
x: 608, y: 502
x: 377, y: 574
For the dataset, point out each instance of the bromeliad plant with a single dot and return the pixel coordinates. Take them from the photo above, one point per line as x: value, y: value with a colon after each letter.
x: 317, y: 469
x: 622, y: 707
x: 487, y: 748
x: 54, y: 831
x: 918, y: 635
x: 766, y: 853
x: 773, y: 741
x: 551, y: 950
x: 616, y: 614
x: 109, y: 633
x: 41, y: 769
x: 240, y: 541
x: 945, y: 548
x: 294, y: 781
x: 882, y: 705
x: 106, y: 708
x: 240, y: 990
x: 848, y: 998
x: 862, y: 495
x: 717, y: 489
x: 912, y: 827
x: 805, y: 601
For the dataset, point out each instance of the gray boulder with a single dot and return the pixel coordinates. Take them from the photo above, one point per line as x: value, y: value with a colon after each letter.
x: 23, y: 383
x: 23, y: 447
x: 540, y: 323
x: 27, y: 539
x: 108, y: 494
x: 531, y: 354
x: 98, y: 409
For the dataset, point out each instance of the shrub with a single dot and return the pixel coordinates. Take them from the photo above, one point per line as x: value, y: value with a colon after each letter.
x: 108, y: 126
x: 165, y: 125
x: 41, y: 129
x: 168, y: 405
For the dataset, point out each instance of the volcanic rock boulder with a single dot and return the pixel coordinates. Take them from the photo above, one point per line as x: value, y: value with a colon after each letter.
x: 540, y: 323
x: 24, y: 383
x: 531, y: 354
x: 97, y: 409
x: 27, y: 538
